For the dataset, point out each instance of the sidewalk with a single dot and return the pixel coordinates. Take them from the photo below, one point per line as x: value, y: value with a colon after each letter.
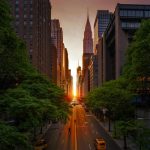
x: 120, y: 143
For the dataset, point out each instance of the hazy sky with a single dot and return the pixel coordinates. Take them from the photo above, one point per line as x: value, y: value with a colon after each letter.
x: 73, y: 14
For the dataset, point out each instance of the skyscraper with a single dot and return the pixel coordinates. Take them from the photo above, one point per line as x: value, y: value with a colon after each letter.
x: 41, y: 36
x: 101, y: 22
x: 88, y: 40
x: 31, y: 23
x: 57, y: 40
x: 87, y: 53
x: 87, y: 45
x: 79, y: 83
x: 118, y: 35
x: 22, y: 11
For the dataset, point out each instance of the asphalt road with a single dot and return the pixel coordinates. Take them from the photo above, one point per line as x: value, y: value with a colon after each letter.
x: 84, y: 130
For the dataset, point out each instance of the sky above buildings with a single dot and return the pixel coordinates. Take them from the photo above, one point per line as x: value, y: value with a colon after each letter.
x: 72, y: 15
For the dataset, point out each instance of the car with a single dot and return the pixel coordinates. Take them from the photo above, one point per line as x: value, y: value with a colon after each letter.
x: 100, y: 144
x: 41, y: 145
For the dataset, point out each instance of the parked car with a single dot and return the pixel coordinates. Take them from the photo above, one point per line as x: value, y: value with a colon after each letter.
x: 100, y: 144
x: 41, y: 145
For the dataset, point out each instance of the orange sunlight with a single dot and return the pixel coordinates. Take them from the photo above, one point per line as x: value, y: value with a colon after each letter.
x: 74, y: 92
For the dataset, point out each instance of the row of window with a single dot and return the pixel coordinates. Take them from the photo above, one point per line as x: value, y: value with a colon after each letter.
x: 26, y: 36
x: 25, y: 1
x: 25, y: 9
x: 25, y: 16
x: 25, y: 23
x: 104, y: 22
x: 107, y: 16
x: 131, y: 25
x: 134, y: 13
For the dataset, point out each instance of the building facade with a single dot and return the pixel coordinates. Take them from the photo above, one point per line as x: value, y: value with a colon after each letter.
x: 65, y: 71
x: 79, y: 83
x: 53, y: 72
x: 101, y: 22
x: 93, y: 72
x: 119, y: 33
x: 70, y: 84
x: 57, y: 41
x: 23, y: 22
x: 32, y: 24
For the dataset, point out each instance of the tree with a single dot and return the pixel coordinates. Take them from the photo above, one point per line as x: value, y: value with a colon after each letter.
x: 115, y: 98
x: 137, y: 69
x: 137, y: 130
x: 26, y: 97
x: 43, y: 90
x: 14, y: 65
x: 10, y: 138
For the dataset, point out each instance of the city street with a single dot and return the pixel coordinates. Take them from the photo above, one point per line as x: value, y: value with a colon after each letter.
x: 84, y: 130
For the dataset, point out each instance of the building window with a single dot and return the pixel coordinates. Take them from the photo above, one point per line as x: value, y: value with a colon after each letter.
x: 17, y: 16
x: 17, y: 23
x: 31, y: 22
x: 31, y: 36
x: 30, y: 51
x: 131, y: 13
x: 123, y: 13
x: 25, y: 23
x: 139, y: 13
x: 25, y: 2
x: 130, y: 25
x: 17, y: 9
x: 147, y: 13
x: 17, y: 2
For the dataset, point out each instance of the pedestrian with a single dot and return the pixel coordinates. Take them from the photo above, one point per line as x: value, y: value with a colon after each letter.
x: 69, y: 130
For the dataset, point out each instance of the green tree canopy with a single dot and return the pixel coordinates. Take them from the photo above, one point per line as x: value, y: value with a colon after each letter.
x: 137, y: 68
x: 114, y: 97
x: 26, y: 97
x: 10, y: 138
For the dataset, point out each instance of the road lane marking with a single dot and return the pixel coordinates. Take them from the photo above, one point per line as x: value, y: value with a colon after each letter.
x: 75, y: 137
x: 75, y: 132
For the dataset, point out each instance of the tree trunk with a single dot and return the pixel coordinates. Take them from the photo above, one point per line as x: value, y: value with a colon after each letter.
x: 34, y: 133
x: 41, y: 130
x: 115, y: 128
x: 109, y: 125
x: 125, y: 141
